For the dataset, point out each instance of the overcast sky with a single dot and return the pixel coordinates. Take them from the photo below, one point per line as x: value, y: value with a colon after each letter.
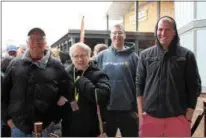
x: 54, y: 17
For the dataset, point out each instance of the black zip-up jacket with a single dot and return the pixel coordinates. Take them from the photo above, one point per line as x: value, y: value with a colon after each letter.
x: 5, y: 62
x: 168, y: 80
x: 30, y: 91
x: 84, y: 122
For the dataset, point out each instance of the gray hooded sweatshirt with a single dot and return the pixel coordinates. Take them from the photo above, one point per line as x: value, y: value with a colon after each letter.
x: 120, y: 66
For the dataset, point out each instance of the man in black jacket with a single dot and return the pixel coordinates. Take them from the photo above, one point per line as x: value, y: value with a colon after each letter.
x: 168, y: 84
x: 32, y: 86
x: 83, y: 122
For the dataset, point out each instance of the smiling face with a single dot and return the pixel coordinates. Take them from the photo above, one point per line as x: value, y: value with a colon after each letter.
x: 165, y: 32
x: 117, y: 36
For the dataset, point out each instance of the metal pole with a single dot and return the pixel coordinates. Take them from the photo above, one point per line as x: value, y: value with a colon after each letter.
x: 107, y: 22
x: 137, y: 14
x: 158, y: 9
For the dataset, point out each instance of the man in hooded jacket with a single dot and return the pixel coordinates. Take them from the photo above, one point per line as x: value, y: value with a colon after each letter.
x: 120, y: 62
x: 168, y: 84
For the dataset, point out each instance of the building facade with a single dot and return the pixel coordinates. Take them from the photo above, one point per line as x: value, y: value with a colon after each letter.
x: 148, y: 13
x: 190, y: 17
x: 191, y: 23
x: 141, y: 40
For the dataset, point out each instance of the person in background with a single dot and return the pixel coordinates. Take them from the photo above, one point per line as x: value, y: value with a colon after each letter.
x: 98, y: 48
x: 80, y: 116
x: 20, y: 50
x: 55, y: 53
x: 65, y: 59
x: 11, y: 54
x: 11, y: 50
x: 3, y: 55
x: 168, y: 84
x: 35, y: 86
x: 5, y: 130
x: 119, y: 62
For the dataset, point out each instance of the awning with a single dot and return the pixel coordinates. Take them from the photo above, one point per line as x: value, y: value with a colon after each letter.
x: 118, y: 9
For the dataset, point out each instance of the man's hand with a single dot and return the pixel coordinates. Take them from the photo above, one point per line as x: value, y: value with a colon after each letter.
x: 140, y: 116
x: 140, y: 108
x: 189, y: 114
x: 62, y: 100
x: 10, y: 123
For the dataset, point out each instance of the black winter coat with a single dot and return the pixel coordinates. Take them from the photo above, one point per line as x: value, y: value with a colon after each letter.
x: 5, y: 62
x: 31, y: 89
x: 84, y: 122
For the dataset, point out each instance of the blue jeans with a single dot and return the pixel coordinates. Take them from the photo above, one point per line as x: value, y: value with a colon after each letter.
x: 48, y: 130
x: 15, y: 132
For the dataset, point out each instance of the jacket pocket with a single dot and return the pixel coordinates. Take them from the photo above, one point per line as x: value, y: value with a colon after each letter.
x: 178, y: 64
x: 153, y: 64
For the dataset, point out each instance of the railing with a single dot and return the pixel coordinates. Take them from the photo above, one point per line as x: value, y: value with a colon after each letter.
x: 198, y: 120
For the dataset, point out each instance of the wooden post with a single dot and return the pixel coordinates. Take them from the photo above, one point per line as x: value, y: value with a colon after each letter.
x: 204, y: 103
x: 82, y: 31
x: 38, y: 129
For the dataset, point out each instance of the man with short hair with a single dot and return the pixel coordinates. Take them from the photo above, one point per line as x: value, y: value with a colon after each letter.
x: 120, y: 62
x: 168, y: 84
x: 33, y: 86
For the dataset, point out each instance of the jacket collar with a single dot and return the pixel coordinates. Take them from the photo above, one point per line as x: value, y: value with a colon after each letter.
x: 42, y: 63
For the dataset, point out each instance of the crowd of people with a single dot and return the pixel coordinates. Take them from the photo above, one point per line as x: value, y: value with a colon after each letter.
x: 151, y: 94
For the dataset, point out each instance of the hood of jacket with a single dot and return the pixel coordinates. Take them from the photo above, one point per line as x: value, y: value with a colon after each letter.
x: 129, y: 47
x: 42, y: 63
x: 176, y: 40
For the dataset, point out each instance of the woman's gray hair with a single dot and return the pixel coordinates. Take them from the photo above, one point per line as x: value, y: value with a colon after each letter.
x: 86, y: 48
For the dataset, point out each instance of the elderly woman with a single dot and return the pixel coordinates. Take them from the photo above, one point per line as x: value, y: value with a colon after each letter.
x: 81, y: 119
